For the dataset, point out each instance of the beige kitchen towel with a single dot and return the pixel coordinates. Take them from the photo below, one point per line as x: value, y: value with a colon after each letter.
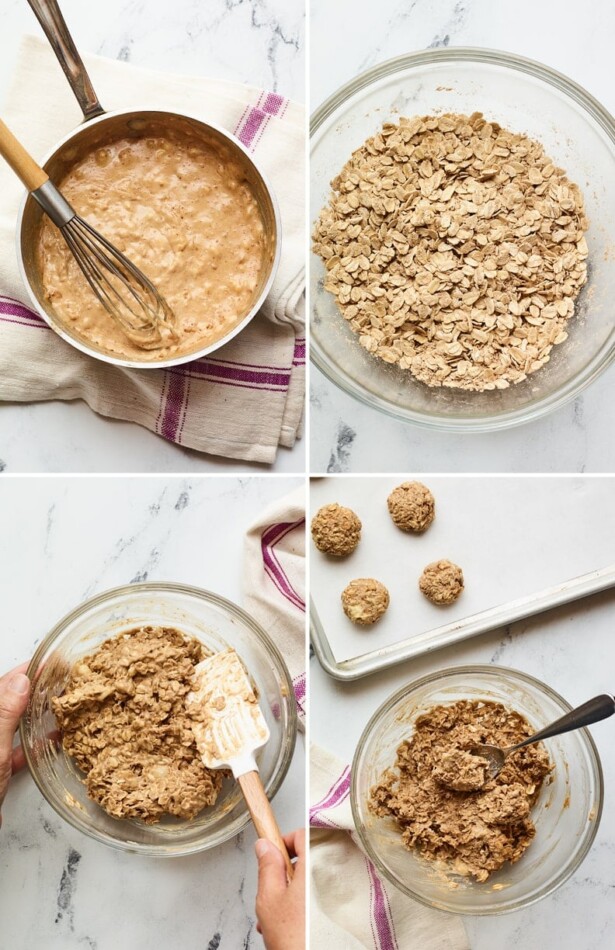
x: 247, y: 397
x: 274, y: 583
x: 352, y: 907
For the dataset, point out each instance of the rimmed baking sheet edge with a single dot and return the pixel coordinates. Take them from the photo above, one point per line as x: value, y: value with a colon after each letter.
x: 483, y: 622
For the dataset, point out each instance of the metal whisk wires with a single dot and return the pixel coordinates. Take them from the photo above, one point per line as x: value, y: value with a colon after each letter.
x: 123, y: 290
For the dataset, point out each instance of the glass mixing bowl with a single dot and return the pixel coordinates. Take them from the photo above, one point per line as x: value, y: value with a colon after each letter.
x: 566, y: 814
x: 218, y: 623
x: 576, y: 131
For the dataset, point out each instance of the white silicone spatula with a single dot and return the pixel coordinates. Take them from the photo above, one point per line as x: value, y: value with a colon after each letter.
x: 229, y: 727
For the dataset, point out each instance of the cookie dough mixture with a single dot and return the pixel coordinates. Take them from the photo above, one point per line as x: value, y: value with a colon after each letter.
x: 180, y: 208
x: 412, y: 507
x: 124, y: 721
x: 455, y: 249
x: 475, y: 832
x: 336, y: 530
x: 441, y: 582
x: 365, y: 600
x: 461, y: 770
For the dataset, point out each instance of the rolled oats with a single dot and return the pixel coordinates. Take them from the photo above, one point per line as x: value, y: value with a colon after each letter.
x: 455, y: 249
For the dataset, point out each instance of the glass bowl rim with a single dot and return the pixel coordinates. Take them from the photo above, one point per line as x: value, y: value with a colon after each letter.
x: 431, y: 678
x: 288, y: 748
x: 594, y: 367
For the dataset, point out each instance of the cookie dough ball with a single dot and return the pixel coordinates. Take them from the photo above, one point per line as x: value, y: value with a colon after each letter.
x: 441, y: 582
x: 336, y: 530
x: 412, y: 507
x: 365, y: 600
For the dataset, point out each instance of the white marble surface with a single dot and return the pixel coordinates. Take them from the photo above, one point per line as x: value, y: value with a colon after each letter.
x: 344, y: 432
x: 572, y: 649
x: 60, y: 890
x: 258, y: 42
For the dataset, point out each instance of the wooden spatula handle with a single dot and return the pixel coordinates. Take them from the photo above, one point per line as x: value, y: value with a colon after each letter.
x: 262, y: 815
x: 20, y: 160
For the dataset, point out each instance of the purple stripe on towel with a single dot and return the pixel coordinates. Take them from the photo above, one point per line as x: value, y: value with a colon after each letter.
x: 299, y: 690
x: 381, y: 911
x: 273, y: 103
x: 14, y: 308
x: 336, y: 794
x: 254, y: 376
x: 189, y: 374
x: 270, y: 537
x: 174, y: 407
x: 19, y: 322
x: 186, y: 373
x: 242, y: 117
x: 251, y: 126
x: 274, y: 369
x: 299, y: 686
x: 275, y: 532
x: 317, y: 821
x: 287, y: 529
x: 279, y: 582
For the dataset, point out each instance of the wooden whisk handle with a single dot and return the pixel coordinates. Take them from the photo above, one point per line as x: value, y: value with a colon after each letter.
x: 22, y: 163
x: 262, y: 815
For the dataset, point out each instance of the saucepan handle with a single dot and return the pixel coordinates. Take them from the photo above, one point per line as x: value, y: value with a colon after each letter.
x: 50, y: 17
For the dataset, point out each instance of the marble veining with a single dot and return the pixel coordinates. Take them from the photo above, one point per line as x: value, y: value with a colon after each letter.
x: 340, y: 455
x: 60, y: 889
x: 66, y: 889
x: 573, y: 439
x: 452, y: 26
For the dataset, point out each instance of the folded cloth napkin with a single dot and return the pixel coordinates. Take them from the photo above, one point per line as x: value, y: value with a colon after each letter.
x: 274, y: 582
x: 247, y: 397
x: 352, y: 907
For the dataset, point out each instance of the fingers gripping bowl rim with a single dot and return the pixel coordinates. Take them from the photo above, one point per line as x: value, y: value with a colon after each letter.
x: 218, y: 623
x: 566, y: 814
x: 576, y: 131
x: 30, y: 213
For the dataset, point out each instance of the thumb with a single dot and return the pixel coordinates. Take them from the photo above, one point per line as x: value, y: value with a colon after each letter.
x: 14, y: 693
x: 271, y: 869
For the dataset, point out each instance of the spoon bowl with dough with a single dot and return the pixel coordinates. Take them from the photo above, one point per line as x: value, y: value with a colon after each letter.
x: 600, y: 707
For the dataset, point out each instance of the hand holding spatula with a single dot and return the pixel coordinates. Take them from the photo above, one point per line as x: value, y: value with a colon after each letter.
x: 229, y: 726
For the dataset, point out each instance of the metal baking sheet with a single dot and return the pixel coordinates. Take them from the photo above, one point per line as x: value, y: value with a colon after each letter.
x: 525, y: 544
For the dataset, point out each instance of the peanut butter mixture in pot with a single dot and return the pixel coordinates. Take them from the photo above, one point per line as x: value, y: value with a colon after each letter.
x: 178, y: 206
x: 123, y: 719
x: 436, y: 796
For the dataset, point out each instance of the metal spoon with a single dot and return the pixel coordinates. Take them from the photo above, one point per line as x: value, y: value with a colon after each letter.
x: 600, y: 707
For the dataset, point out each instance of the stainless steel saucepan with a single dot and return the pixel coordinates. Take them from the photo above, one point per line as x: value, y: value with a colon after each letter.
x: 98, y: 129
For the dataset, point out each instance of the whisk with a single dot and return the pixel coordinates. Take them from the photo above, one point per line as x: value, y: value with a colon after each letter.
x: 127, y: 295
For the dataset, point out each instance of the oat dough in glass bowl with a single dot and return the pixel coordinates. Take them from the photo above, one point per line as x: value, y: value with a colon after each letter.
x: 217, y: 624
x: 566, y: 813
x: 525, y: 98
